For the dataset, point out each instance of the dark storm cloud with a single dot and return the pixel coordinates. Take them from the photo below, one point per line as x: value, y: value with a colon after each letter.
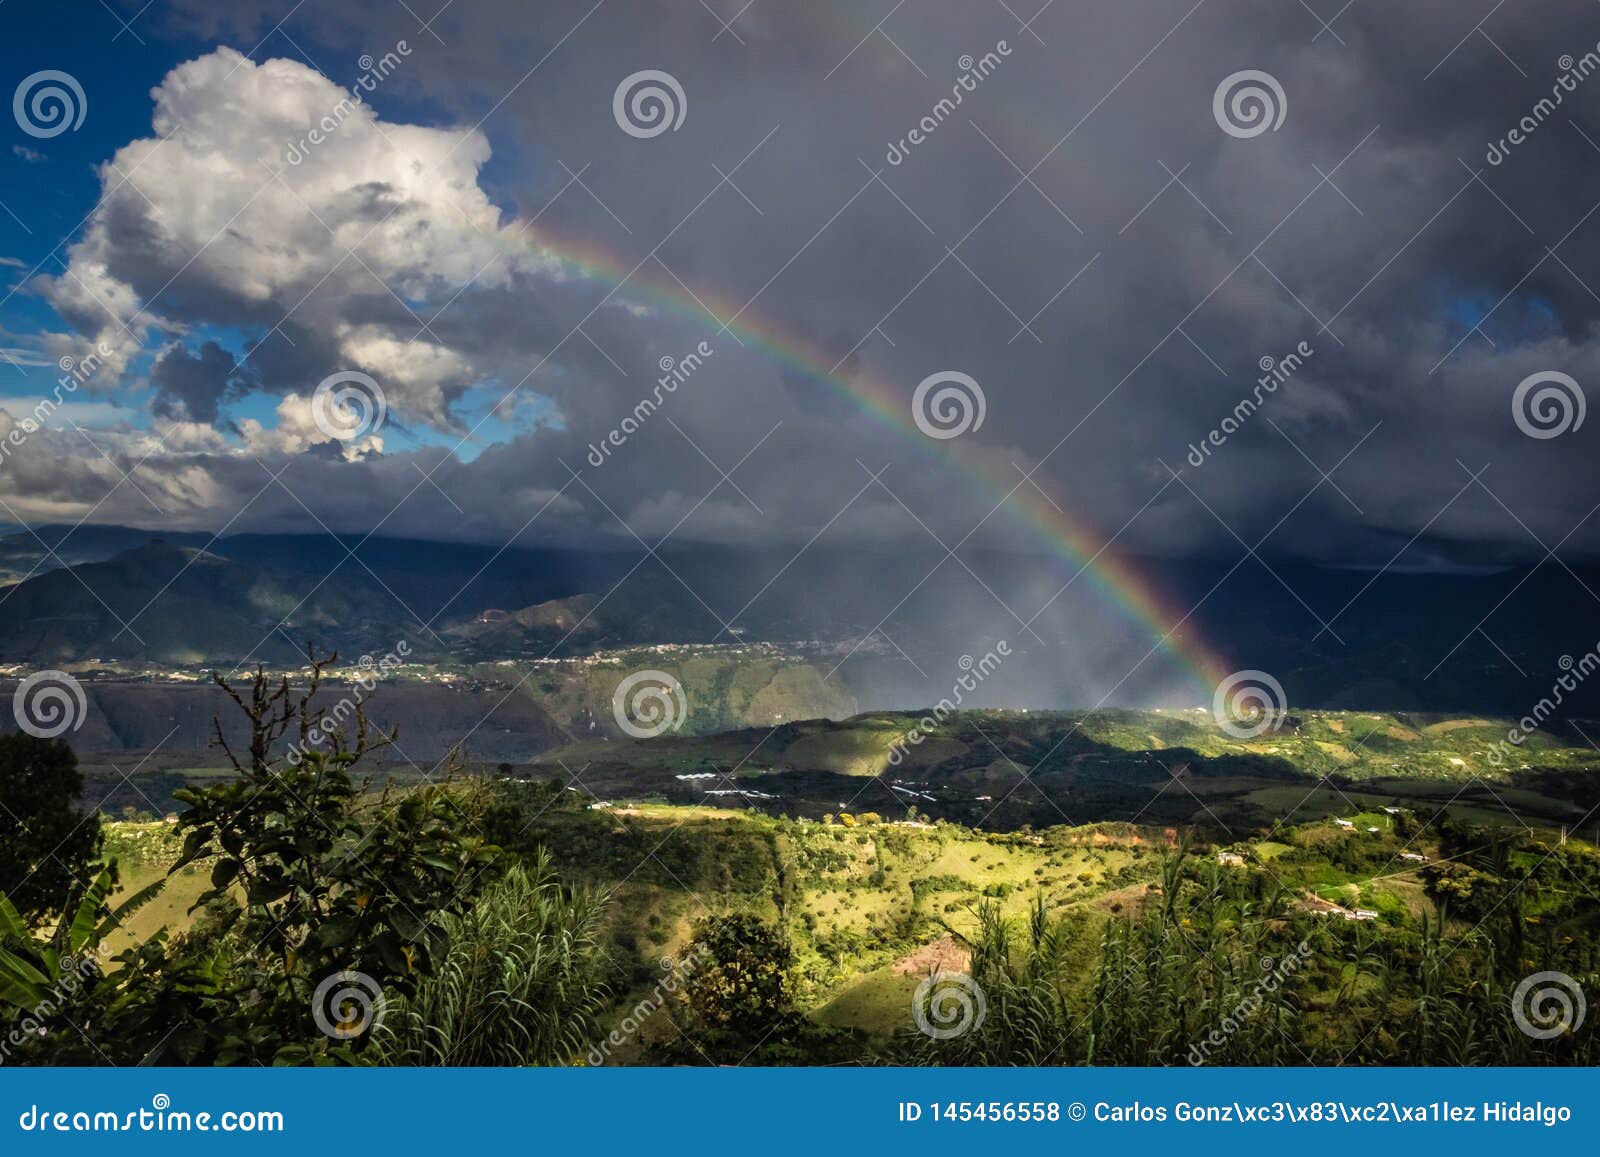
x: 193, y: 386
x: 1370, y: 226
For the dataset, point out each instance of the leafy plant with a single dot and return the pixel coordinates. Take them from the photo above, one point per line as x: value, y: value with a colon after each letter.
x: 520, y: 984
x: 739, y: 1006
x: 47, y: 846
x: 310, y: 877
x: 45, y: 982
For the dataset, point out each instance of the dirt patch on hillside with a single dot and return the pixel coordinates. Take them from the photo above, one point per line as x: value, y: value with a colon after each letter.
x: 1130, y: 899
x: 944, y: 955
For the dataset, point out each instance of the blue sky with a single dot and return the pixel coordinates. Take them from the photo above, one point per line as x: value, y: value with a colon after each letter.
x: 1359, y: 225
x: 49, y: 186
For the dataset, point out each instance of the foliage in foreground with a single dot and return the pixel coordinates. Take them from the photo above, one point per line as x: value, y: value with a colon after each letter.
x: 520, y: 984
x: 47, y: 846
x: 1206, y: 973
x: 486, y: 957
x: 311, y: 880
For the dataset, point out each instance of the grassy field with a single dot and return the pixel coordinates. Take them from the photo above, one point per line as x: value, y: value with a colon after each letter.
x: 724, y: 687
x: 876, y: 871
x: 143, y: 852
x: 872, y: 906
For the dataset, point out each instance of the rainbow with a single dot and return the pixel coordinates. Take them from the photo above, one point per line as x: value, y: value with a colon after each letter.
x: 1071, y: 538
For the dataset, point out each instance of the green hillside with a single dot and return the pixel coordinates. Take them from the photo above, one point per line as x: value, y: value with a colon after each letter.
x: 870, y: 907
x: 1001, y: 769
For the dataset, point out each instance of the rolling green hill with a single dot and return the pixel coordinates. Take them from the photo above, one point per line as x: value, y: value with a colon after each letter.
x: 1002, y: 769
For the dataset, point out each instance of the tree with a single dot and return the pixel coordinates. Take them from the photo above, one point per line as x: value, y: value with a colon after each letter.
x: 47, y: 846
x: 738, y: 1006
x: 323, y: 881
x: 324, y: 895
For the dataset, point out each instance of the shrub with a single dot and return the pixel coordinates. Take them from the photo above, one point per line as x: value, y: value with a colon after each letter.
x: 519, y: 985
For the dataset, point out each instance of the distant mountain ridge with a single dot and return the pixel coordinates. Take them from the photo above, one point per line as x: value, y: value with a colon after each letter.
x: 1493, y: 642
x: 182, y: 606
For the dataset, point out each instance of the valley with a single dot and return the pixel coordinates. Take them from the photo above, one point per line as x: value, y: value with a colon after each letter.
x: 1110, y: 879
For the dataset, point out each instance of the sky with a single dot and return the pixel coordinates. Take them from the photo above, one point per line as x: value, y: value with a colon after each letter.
x: 444, y: 310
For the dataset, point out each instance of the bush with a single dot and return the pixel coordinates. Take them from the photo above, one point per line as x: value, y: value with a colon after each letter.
x: 47, y: 846
x: 519, y: 986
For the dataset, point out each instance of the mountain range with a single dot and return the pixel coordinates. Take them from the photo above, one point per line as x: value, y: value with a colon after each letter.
x: 1492, y: 641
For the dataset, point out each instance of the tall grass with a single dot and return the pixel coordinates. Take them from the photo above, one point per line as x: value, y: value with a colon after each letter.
x: 1195, y: 975
x: 521, y: 984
